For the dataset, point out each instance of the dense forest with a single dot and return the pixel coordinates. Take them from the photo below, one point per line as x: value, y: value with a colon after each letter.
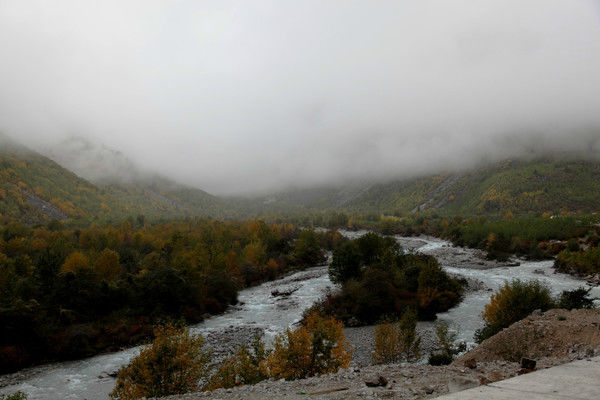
x: 69, y: 293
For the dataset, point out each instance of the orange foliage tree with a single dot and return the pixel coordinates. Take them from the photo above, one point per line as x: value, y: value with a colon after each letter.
x: 246, y: 367
x: 318, y: 347
x: 395, y: 342
x: 173, y: 364
x: 75, y: 261
x: 107, y: 265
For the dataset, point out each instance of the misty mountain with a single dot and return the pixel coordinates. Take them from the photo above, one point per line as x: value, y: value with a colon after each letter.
x: 561, y: 182
x: 35, y: 188
x: 94, y: 162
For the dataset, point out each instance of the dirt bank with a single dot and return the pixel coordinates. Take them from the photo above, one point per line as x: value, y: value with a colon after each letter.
x: 554, y: 334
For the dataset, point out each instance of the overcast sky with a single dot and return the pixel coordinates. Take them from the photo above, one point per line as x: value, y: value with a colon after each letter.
x: 237, y: 96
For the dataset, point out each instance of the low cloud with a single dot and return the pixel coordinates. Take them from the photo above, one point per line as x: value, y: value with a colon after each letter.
x: 247, y: 96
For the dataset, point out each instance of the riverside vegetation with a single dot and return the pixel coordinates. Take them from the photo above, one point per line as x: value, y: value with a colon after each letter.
x: 380, y: 281
x: 68, y: 293
x: 175, y: 362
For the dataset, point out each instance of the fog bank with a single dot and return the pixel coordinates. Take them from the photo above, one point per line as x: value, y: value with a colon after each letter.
x: 243, y: 96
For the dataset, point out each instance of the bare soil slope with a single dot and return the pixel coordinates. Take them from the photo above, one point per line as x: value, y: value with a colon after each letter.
x: 554, y: 334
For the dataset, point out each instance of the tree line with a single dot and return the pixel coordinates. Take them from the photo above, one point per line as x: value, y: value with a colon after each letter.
x: 68, y: 293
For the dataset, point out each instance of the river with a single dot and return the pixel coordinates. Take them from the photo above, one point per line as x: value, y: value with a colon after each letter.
x: 87, y: 379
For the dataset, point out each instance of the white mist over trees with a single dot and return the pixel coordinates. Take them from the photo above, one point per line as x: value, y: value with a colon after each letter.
x: 238, y: 96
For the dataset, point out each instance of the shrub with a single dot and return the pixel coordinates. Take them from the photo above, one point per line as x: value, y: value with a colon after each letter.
x: 577, y: 298
x: 579, y: 262
x: 513, y: 302
x: 173, y: 363
x: 446, y: 341
x: 14, y: 396
x: 318, y: 347
x: 396, y: 342
x: 246, y: 367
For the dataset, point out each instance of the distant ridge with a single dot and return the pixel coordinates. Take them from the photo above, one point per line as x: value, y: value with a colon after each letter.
x: 33, y: 188
x: 565, y: 182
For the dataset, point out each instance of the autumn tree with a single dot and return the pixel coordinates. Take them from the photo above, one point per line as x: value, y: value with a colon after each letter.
x: 318, y: 347
x: 107, y: 265
x: 513, y: 302
x: 307, y: 250
x: 75, y: 262
x: 173, y: 363
x: 245, y: 367
x: 397, y: 341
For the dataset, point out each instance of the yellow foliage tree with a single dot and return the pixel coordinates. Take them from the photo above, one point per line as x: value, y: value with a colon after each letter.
x: 107, y: 265
x: 76, y: 261
x: 246, y: 367
x: 318, y: 347
x: 395, y: 342
x: 173, y: 364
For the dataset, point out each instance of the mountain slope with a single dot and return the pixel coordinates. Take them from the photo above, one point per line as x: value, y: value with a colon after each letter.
x: 550, y: 184
x: 34, y: 189
x: 523, y: 187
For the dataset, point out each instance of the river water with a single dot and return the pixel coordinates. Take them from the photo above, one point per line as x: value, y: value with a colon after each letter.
x: 86, y: 379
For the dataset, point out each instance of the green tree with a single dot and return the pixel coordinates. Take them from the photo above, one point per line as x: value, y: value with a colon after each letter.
x: 307, y: 250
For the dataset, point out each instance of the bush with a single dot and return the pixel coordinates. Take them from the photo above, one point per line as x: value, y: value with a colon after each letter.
x: 513, y: 302
x: 246, y: 367
x: 577, y: 298
x: 318, y: 347
x: 446, y: 341
x: 173, y: 363
x: 14, y: 396
x: 579, y: 262
x: 396, y: 342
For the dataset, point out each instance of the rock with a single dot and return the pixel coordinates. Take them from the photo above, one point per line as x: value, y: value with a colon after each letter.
x: 527, y: 363
x: 429, y: 390
x: 375, y: 382
x: 483, y: 380
x: 458, y: 384
x: 494, y: 376
x: 537, y: 313
x: 524, y: 371
x: 470, y: 363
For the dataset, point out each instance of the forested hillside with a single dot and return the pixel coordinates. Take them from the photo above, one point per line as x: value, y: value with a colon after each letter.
x: 34, y: 188
x: 543, y: 185
x: 521, y: 187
